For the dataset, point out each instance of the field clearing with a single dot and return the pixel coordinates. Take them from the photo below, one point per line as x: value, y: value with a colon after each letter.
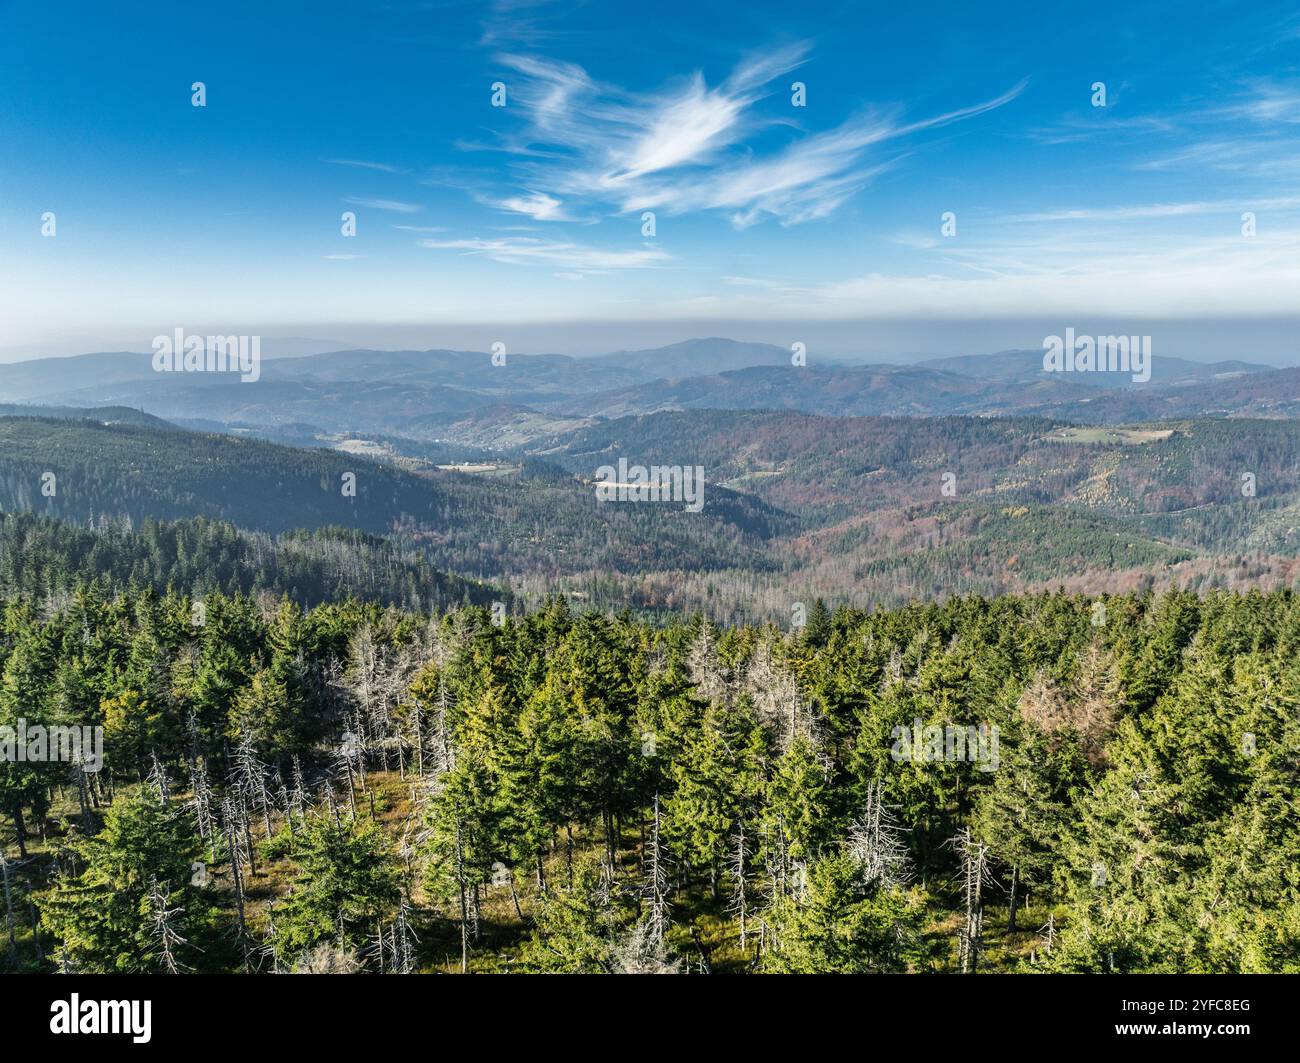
x: 1109, y: 436
x: 474, y: 467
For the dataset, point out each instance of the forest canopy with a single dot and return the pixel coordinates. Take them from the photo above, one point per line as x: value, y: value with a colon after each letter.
x: 358, y: 787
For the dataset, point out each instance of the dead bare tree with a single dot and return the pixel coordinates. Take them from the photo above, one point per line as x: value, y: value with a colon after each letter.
x: 655, y: 888
x: 403, y: 941
x: 237, y: 877
x: 162, y: 918
x: 249, y: 779
x: 737, y: 866
x: 876, y: 842
x: 779, y: 704
x: 350, y: 760
x: 201, y: 802
x: 157, y: 779
x: 705, y: 669
x: 638, y: 952
x: 298, y: 798
x: 973, y: 877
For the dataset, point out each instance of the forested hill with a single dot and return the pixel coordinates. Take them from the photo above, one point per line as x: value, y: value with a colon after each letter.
x: 41, y: 556
x: 531, y: 520
x: 100, y: 414
x: 562, y: 792
x: 141, y: 472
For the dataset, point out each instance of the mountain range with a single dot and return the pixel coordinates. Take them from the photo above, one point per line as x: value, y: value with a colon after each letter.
x: 465, y: 397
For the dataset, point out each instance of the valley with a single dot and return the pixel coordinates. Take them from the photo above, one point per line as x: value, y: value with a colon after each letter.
x: 863, y: 509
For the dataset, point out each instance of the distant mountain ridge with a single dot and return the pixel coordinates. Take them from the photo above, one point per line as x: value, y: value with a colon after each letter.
x: 698, y: 357
x: 439, y: 395
x: 1024, y: 366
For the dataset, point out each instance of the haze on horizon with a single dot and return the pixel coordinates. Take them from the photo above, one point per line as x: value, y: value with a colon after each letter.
x: 1267, y: 341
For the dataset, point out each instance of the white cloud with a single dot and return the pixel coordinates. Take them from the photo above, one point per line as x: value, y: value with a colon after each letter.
x: 1190, y: 289
x: 679, y: 131
x: 1161, y: 210
x: 688, y: 147
x: 521, y: 250
x: 1033, y: 272
x: 1248, y: 132
x: 537, y: 205
x: 394, y: 205
x: 1266, y: 102
x: 805, y: 182
x: 918, y: 241
x: 365, y: 165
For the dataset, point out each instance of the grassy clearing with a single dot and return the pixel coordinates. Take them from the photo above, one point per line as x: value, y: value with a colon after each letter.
x: 1109, y: 436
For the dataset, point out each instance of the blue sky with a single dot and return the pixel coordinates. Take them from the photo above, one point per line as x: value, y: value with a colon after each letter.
x: 229, y: 215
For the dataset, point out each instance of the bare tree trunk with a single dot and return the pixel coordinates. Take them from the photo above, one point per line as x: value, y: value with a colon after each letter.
x: 568, y: 830
x: 83, y: 797
x: 974, y: 872
x: 464, y: 908
x: 419, y: 740
x: 36, y: 930
x: 238, y: 881
x: 352, y: 785
x: 20, y: 828
x: 740, y: 902
x: 610, y: 844
x: 248, y: 836
x: 9, y: 908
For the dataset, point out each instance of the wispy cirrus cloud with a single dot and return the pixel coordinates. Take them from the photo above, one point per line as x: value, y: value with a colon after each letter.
x: 1160, y: 210
x: 1265, y: 101
x: 1031, y: 270
x: 585, y: 148
x: 518, y: 22
x: 364, y: 164
x: 1076, y: 129
x: 519, y: 250
x: 537, y: 205
x: 690, y: 146
x: 1249, y: 130
x: 395, y: 205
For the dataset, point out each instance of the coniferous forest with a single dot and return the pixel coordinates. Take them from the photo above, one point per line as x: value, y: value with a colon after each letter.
x: 355, y: 787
